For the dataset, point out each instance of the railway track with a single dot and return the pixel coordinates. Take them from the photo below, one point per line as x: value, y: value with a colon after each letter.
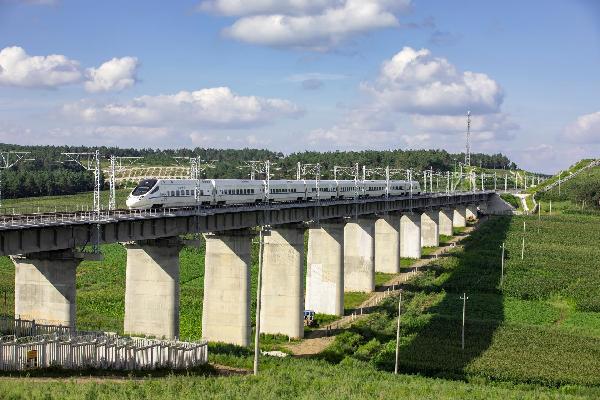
x: 11, y: 220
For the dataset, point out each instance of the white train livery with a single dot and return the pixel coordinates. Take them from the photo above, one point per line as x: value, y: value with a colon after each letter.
x: 167, y: 193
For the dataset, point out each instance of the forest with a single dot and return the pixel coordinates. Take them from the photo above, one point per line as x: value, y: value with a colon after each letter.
x: 48, y: 172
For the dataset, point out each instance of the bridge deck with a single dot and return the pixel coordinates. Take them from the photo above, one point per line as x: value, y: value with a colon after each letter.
x: 34, y: 233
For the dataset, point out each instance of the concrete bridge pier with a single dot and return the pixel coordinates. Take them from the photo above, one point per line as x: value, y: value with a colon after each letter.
x: 45, y: 286
x: 410, y: 235
x: 459, y: 217
x: 152, y: 288
x: 387, y: 244
x: 359, y: 255
x: 471, y: 212
x: 226, y: 303
x: 430, y: 228
x: 445, y: 220
x: 325, y: 271
x: 282, y: 295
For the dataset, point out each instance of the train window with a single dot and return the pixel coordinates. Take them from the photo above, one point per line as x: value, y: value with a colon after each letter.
x: 154, y: 190
x: 187, y: 192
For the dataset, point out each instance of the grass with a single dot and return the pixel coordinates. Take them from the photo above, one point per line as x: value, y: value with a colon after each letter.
x: 353, y: 299
x: 62, y: 203
x: 287, y: 379
x: 512, y: 200
x: 564, y: 174
x: 541, y: 327
x: 381, y: 278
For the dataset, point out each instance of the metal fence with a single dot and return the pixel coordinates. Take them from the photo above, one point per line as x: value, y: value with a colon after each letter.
x: 28, y: 348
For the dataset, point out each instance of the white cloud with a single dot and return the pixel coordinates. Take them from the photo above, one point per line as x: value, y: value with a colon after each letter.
x: 414, y: 81
x: 418, y: 100
x: 362, y: 127
x: 315, y: 25
x: 214, y: 107
x: 17, y: 68
x: 116, y: 74
x: 586, y: 129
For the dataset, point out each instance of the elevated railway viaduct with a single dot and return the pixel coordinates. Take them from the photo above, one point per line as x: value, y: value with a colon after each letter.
x: 348, y: 241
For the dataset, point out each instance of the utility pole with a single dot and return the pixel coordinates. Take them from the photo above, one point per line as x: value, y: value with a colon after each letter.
x: 502, y: 267
x: 350, y: 171
x: 387, y: 181
x: 468, y: 152
x: 398, y: 333
x: 9, y: 159
x: 464, y: 298
x: 495, y: 181
x: 91, y: 162
x: 117, y: 164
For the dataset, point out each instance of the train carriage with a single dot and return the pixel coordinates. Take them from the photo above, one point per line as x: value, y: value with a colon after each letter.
x: 328, y: 189
x: 286, y: 190
x: 347, y: 189
x: 373, y: 188
x: 237, y: 191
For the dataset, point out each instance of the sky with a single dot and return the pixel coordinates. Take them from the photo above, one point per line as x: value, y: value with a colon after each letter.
x: 293, y: 75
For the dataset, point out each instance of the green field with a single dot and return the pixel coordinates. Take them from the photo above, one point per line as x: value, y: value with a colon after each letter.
x: 536, y: 336
x: 288, y: 379
x: 73, y: 202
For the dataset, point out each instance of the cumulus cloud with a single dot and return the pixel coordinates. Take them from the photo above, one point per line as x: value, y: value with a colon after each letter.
x: 419, y: 100
x: 214, y: 107
x: 116, y: 74
x: 414, y: 81
x: 17, y: 68
x: 585, y: 129
x: 315, y: 25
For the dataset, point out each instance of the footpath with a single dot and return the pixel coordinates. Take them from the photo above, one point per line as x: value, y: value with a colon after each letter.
x: 317, y: 340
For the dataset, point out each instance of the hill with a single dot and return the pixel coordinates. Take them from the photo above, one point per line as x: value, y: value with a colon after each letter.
x: 579, y: 189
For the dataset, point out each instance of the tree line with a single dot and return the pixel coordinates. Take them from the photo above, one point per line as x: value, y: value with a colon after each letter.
x: 49, y: 173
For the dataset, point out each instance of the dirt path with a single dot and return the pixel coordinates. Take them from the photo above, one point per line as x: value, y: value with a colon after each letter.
x: 317, y: 340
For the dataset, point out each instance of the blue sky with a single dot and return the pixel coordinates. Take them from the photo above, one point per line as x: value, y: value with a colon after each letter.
x: 291, y: 75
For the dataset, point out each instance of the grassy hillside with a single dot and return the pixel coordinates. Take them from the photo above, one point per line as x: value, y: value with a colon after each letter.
x: 582, y: 191
x: 542, y: 325
x: 563, y: 174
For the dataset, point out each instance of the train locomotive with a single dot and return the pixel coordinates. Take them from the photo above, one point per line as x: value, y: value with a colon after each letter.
x: 171, y: 193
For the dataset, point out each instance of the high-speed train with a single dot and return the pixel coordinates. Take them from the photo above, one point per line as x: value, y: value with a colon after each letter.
x: 159, y: 193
